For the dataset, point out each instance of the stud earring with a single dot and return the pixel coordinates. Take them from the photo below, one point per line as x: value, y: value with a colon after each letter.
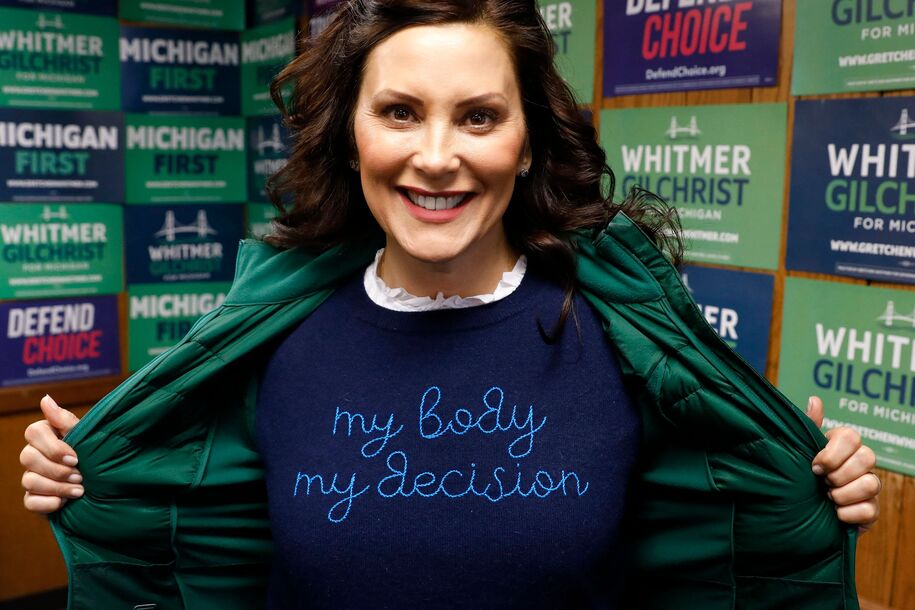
x: 524, y: 173
x: 354, y: 165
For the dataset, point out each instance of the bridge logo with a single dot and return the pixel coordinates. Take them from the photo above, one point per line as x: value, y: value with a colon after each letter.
x: 43, y: 22
x: 889, y: 317
x: 171, y: 228
x: 274, y: 141
x: 676, y: 131
x: 903, y: 126
x: 48, y: 214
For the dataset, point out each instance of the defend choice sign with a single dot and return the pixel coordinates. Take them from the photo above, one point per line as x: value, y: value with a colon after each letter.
x: 61, y: 156
x: 216, y: 14
x: 853, y: 45
x: 674, y: 45
x: 573, y: 24
x: 47, y: 341
x: 724, y: 178
x: 738, y: 305
x: 161, y: 314
x: 174, y: 159
x: 851, y: 212
x: 268, y: 149
x: 858, y: 355
x: 58, y: 60
x: 264, y: 51
x: 179, y: 71
x: 56, y: 250
x: 182, y: 243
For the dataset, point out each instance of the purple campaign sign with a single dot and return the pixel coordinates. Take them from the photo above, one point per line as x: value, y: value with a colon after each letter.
x: 675, y: 45
x: 55, y: 340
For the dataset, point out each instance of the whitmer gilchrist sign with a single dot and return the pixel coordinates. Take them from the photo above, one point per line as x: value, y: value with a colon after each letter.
x: 852, y: 205
x: 45, y: 341
x: 61, y: 156
x: 184, y: 243
x: 677, y: 45
x: 737, y: 305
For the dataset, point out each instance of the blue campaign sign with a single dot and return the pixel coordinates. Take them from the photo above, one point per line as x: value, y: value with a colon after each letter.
x: 90, y: 7
x: 56, y: 340
x: 61, y: 156
x: 850, y: 209
x: 269, y: 146
x: 678, y: 45
x: 180, y: 71
x: 738, y: 305
x: 183, y: 243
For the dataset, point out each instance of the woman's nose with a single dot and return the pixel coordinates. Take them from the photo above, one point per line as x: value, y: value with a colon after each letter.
x: 436, y: 153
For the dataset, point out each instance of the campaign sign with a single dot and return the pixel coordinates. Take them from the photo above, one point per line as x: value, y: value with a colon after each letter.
x: 61, y: 156
x: 722, y: 167
x: 676, y: 45
x: 850, y: 211
x: 90, y: 7
x: 185, y: 159
x: 179, y: 71
x: 59, y: 60
x: 265, y: 11
x: 47, y: 341
x: 854, y: 347
x: 213, y: 14
x: 259, y: 219
x: 269, y: 146
x: 58, y: 250
x: 185, y: 243
x: 573, y: 24
x: 264, y: 52
x: 738, y: 305
x: 843, y: 46
x: 161, y: 314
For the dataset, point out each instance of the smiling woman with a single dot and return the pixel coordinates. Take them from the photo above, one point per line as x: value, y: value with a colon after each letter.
x: 360, y: 426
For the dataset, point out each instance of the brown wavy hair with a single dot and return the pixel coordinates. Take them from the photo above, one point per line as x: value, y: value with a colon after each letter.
x: 570, y: 185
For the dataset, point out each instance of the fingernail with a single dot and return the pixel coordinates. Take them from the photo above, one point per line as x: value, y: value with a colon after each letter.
x: 53, y: 402
x: 76, y: 492
x: 75, y: 478
x: 809, y: 403
x: 70, y: 460
x: 818, y: 470
x: 829, y: 494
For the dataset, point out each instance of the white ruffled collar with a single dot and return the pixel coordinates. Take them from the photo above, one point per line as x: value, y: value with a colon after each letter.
x: 398, y: 299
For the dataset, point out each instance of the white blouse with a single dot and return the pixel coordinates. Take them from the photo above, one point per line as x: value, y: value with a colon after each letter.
x: 398, y: 299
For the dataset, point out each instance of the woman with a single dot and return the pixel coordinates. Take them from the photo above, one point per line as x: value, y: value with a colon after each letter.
x: 442, y: 423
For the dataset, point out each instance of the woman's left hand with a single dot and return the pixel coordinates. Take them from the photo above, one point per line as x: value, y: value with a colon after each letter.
x: 848, y: 467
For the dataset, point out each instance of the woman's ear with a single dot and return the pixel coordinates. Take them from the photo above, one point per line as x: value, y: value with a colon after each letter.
x: 526, y: 156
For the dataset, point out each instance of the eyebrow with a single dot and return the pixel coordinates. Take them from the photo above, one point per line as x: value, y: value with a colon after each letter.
x: 470, y: 101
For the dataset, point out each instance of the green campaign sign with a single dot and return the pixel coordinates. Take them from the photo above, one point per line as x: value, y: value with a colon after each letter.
x: 264, y: 52
x: 849, y: 45
x: 59, y: 60
x: 185, y: 159
x: 854, y: 346
x: 159, y: 315
x: 724, y: 178
x: 259, y: 219
x: 573, y: 24
x: 214, y: 14
x: 60, y: 250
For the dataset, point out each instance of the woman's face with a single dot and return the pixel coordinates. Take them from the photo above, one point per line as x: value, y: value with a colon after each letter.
x: 440, y: 137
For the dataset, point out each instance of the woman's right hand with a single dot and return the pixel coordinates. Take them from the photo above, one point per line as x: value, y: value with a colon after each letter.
x: 50, y: 476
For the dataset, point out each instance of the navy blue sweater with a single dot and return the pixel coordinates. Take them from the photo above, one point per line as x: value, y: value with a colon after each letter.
x: 445, y: 459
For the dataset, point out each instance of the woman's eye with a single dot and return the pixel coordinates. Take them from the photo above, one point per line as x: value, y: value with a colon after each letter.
x: 399, y: 113
x: 481, y: 118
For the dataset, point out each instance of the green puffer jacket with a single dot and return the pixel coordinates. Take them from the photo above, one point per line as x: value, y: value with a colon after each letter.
x: 728, y: 514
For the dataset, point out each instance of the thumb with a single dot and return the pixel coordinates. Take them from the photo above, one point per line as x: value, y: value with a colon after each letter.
x: 815, y: 410
x: 60, y: 419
